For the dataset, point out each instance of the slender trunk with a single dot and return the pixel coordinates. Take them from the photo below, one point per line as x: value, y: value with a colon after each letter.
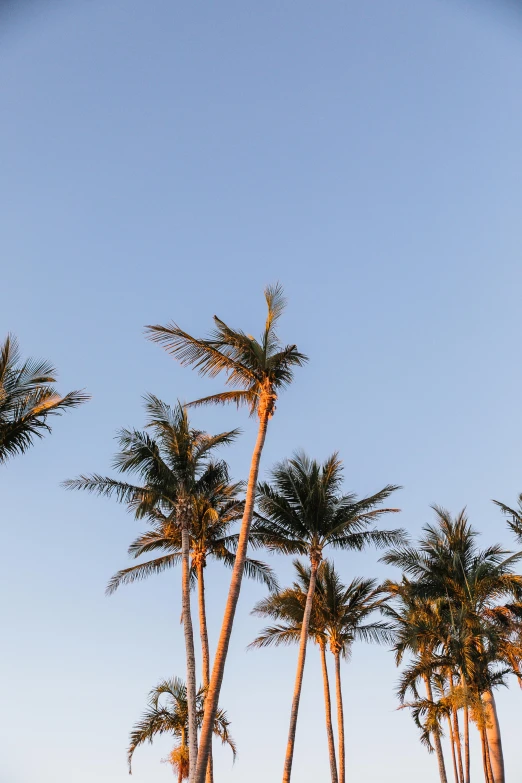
x: 484, y: 754
x: 436, y: 737
x: 488, y: 759
x: 189, y: 637
x: 211, y: 701
x: 467, y: 768
x: 287, y: 770
x: 456, y: 730
x: 340, y: 718
x: 328, y: 713
x: 452, y: 745
x: 494, y: 740
x: 466, y: 735
x: 205, y: 654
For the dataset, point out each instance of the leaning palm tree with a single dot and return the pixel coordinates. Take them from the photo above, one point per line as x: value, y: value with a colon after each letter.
x: 27, y: 399
x: 167, y: 713
x: 302, y: 510
x: 176, y: 469
x: 259, y: 370
x: 216, y: 508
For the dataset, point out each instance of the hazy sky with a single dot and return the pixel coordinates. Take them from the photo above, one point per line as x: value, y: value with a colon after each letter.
x: 166, y: 160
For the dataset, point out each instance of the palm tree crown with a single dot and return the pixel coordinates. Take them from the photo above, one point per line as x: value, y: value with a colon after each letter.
x: 167, y: 713
x: 217, y: 508
x: 302, y: 510
x: 27, y: 400
x: 339, y: 612
x: 257, y: 368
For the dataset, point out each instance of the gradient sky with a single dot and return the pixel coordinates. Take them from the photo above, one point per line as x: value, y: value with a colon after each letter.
x: 165, y: 161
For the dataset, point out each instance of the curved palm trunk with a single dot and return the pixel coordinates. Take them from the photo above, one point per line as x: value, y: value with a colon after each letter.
x: 184, y: 513
x: 287, y: 770
x: 211, y: 701
x: 328, y: 714
x: 340, y: 719
x: 205, y: 654
x: 436, y: 737
x: 493, y: 737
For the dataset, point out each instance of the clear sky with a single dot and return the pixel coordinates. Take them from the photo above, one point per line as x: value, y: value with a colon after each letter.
x: 165, y: 160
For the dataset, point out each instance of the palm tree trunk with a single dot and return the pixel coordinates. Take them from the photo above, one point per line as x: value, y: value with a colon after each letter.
x: 486, y: 762
x: 456, y: 731
x: 340, y: 718
x: 184, y: 518
x: 436, y: 737
x: 328, y: 713
x: 466, y: 745
x: 453, y: 755
x: 211, y: 701
x: 488, y: 759
x: 494, y: 740
x: 464, y: 686
x: 484, y: 756
x: 205, y: 653
x: 287, y: 770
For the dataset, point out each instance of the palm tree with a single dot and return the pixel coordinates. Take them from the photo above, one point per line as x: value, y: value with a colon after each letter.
x: 176, y: 469
x: 259, y: 371
x: 337, y: 618
x: 468, y: 585
x: 216, y: 508
x: 347, y: 611
x: 417, y: 629
x: 167, y: 713
x: 287, y: 607
x: 27, y: 399
x: 301, y: 512
x: 514, y: 516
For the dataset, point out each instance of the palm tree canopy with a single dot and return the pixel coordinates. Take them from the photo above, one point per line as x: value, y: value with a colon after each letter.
x: 339, y: 612
x: 28, y: 399
x: 216, y: 510
x: 258, y: 369
x: 514, y: 516
x: 172, y: 461
x: 450, y: 609
x: 172, y: 464
x: 167, y: 713
x: 302, y: 509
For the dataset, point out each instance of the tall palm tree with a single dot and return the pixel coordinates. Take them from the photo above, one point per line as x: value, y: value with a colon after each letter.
x: 302, y: 511
x: 27, y: 399
x: 468, y: 585
x: 216, y: 508
x: 347, y: 611
x: 287, y: 607
x: 167, y: 713
x: 259, y: 370
x: 176, y: 469
x: 417, y: 629
x: 339, y: 616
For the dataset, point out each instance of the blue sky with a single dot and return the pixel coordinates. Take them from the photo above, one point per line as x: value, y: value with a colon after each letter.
x: 165, y: 161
